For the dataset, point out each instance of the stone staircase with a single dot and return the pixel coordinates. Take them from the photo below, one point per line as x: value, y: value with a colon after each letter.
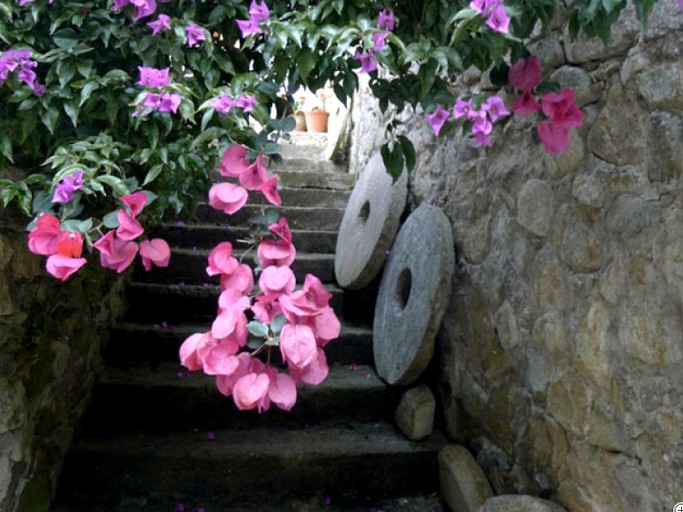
x: 156, y: 438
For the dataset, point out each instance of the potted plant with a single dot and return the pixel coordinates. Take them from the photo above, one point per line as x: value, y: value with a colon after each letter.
x: 316, y: 119
x: 299, y: 115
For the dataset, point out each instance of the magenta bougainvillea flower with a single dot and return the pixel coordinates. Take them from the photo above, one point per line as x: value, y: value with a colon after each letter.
x: 234, y: 161
x: 525, y: 74
x: 525, y: 104
x: 494, y: 12
x: 163, y: 22
x: 258, y: 12
x: 368, y: 61
x: 115, y: 253
x: 64, y: 190
x: 195, y: 34
x: 155, y: 252
x: 386, y: 20
x: 153, y: 77
x: 438, y: 118
x: 227, y: 197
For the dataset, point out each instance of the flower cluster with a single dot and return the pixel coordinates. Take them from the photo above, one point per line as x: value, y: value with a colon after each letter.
x: 482, y: 118
x: 157, y: 100
x: 117, y: 248
x: 21, y: 62
x: 385, y: 23
x: 143, y: 8
x: 258, y: 12
x: 62, y: 248
x: 494, y: 12
x: 300, y: 322
x: 64, y: 191
x: 224, y: 103
x: 559, y: 108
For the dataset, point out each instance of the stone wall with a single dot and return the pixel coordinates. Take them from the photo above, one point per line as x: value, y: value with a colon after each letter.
x: 560, y: 354
x: 50, y: 339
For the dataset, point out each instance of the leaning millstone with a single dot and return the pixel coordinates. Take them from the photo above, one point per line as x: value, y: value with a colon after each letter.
x: 413, y: 296
x: 519, y: 503
x: 369, y: 225
x: 464, y: 486
x: 415, y: 413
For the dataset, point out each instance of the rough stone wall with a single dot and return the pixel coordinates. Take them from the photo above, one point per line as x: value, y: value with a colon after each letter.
x: 560, y: 354
x: 50, y: 339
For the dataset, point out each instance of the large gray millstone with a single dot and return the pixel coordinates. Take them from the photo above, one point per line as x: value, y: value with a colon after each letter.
x: 369, y: 225
x: 413, y: 295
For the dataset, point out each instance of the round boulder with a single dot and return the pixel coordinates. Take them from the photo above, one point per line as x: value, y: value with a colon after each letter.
x: 413, y: 296
x: 369, y: 225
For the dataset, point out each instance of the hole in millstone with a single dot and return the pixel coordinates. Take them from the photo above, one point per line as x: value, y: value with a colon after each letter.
x: 364, y: 212
x: 405, y: 281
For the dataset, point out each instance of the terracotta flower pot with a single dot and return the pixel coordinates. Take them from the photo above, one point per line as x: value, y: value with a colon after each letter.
x: 316, y: 120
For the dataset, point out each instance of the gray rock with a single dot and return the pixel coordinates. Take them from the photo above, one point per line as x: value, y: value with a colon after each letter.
x: 413, y: 296
x: 535, y: 207
x: 578, y: 80
x: 662, y: 87
x: 415, y: 413
x: 464, y: 486
x: 519, y: 503
x: 369, y: 225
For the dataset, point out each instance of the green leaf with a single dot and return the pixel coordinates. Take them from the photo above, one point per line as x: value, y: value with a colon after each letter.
x: 65, y: 38
x: 71, y: 109
x: 116, y: 184
x: 87, y: 91
x: 278, y: 323
x: 6, y: 147
x: 153, y: 174
x: 393, y: 160
x: 305, y: 61
x: 111, y: 220
x: 408, y: 152
x: 84, y: 67
x: 42, y: 202
x: 66, y: 69
x: 257, y: 328
x: 50, y: 116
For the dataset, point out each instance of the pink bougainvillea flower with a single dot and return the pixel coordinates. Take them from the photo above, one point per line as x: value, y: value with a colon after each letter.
x: 258, y: 11
x: 163, y: 22
x: 155, y: 251
x: 525, y: 74
x: 255, y: 175
x: 281, y: 230
x: 561, y: 109
x: 463, y: 108
x: 43, y: 237
x: 169, y: 102
x: 234, y: 161
x: 195, y: 34
x: 277, y: 280
x: 326, y: 326
x: 248, y: 27
x: 221, y: 360
x: 368, y: 61
x: 525, y: 104
x: 62, y: 267
x: 223, y: 104
x: 227, y: 197
x: 266, y: 308
x: 315, y: 291
x: 129, y: 227
x: 438, y: 118
x: 270, y: 191
x: 282, y: 389
x: 251, y: 392
x: 144, y: 8
x: 134, y: 202
x: 298, y: 345
x: 481, y: 128
x: 153, y: 77
x: 386, y: 20
x: 242, y: 279
x: 69, y: 244
x: 498, y: 20
x: 246, y: 103
x: 555, y: 137
x: 65, y: 189
x: 379, y: 41
x: 495, y: 107
x: 115, y: 253
x: 189, y: 349
x: 234, y: 300
x: 221, y: 260
x: 275, y: 252
x: 315, y: 372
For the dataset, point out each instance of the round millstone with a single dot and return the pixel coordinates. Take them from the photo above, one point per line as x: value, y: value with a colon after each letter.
x: 369, y: 225
x: 413, y: 296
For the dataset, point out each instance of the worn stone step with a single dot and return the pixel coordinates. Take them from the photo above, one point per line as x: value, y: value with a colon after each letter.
x: 315, y: 197
x: 308, y: 174
x: 160, y: 342
x: 189, y: 266
x: 207, y: 236
x: 175, y: 303
x: 171, y: 399
x: 298, y: 217
x: 347, y: 463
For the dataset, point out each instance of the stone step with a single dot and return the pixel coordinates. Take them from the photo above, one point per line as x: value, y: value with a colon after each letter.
x: 207, y: 236
x: 175, y: 303
x: 308, y: 174
x: 157, y: 343
x: 298, y: 217
x: 347, y: 463
x: 170, y: 399
x: 189, y: 266
x: 315, y: 197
